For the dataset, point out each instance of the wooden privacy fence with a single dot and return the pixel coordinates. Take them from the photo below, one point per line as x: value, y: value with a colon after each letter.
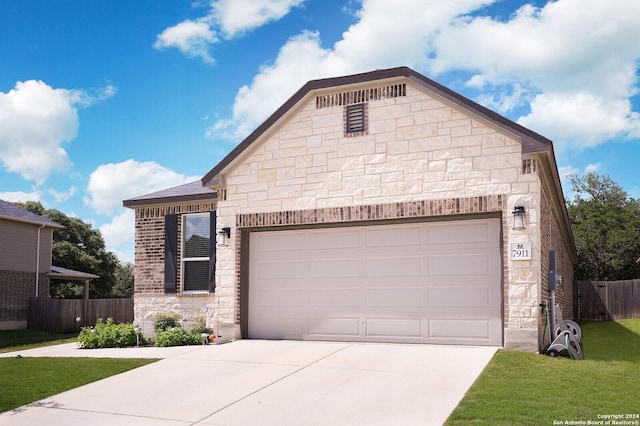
x: 608, y: 300
x: 61, y: 315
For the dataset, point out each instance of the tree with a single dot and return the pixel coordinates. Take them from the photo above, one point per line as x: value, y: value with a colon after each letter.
x: 80, y: 247
x: 124, y: 280
x: 606, y: 228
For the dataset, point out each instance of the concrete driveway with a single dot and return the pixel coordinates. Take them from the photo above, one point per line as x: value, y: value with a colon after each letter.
x: 256, y: 382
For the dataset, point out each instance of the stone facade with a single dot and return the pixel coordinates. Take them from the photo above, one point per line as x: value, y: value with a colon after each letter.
x: 420, y: 156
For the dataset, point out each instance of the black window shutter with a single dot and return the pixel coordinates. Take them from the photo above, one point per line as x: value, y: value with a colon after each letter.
x: 170, y: 252
x: 212, y: 251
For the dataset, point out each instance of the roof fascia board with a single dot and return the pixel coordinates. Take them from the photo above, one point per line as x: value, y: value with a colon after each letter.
x: 133, y: 203
x: 33, y: 222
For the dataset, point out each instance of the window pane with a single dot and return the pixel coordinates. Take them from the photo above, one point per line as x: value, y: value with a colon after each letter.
x: 196, y: 235
x: 196, y: 275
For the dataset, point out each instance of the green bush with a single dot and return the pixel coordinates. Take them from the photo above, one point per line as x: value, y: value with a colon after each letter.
x: 177, y: 337
x: 109, y: 335
x: 166, y: 322
x: 200, y: 327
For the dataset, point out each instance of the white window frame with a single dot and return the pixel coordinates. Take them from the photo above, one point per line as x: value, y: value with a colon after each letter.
x: 184, y: 260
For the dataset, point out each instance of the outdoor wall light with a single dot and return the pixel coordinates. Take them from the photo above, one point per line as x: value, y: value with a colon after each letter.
x: 222, y: 237
x: 518, y: 218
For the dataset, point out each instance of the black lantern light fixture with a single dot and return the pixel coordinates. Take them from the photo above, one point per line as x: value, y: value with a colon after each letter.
x: 518, y: 218
x: 222, y: 237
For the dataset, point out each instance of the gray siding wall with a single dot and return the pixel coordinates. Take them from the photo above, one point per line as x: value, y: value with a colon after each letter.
x: 18, y: 247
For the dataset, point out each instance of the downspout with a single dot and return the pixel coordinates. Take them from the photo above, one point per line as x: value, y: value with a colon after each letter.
x: 38, y: 261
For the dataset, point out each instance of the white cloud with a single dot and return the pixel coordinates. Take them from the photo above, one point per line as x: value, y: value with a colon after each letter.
x: 109, y: 184
x: 231, y: 18
x: 297, y: 61
x: 572, y: 62
x: 574, y: 59
x: 63, y: 195
x: 119, y: 235
x: 579, y: 120
x: 20, y: 196
x: 36, y: 121
x: 191, y: 38
x: 239, y: 16
x: 375, y: 41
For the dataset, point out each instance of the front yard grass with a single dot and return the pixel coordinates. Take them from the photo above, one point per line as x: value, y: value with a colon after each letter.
x: 530, y: 389
x: 25, y: 380
x: 18, y: 340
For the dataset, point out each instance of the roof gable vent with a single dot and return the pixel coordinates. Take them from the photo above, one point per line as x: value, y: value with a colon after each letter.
x: 363, y: 95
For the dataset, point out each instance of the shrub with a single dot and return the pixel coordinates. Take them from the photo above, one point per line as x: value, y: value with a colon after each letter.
x: 166, y: 322
x: 177, y: 337
x: 200, y: 327
x: 109, y: 335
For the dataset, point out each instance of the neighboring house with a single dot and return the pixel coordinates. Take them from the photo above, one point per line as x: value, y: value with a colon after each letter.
x: 25, y: 263
x: 373, y: 207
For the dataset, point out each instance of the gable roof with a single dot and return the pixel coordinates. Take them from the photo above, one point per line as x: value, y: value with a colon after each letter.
x: 60, y: 273
x: 531, y: 141
x: 14, y: 213
x: 192, y: 191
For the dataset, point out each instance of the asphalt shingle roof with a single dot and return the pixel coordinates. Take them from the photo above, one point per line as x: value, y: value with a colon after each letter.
x: 191, y: 191
x: 9, y: 211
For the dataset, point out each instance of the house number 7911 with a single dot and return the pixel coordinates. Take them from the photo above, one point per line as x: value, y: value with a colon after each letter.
x: 520, y: 251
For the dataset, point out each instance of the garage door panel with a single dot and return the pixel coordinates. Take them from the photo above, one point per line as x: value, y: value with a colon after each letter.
x: 394, y: 265
x: 406, y: 237
x: 471, y: 233
x: 395, y: 297
x: 334, y: 297
x: 460, y: 264
x: 456, y: 329
x: 394, y: 328
x: 459, y: 296
x: 334, y: 268
x: 341, y: 239
x: 281, y: 269
x: 414, y: 283
x: 344, y: 327
x: 280, y: 297
x: 281, y: 242
x: 279, y: 328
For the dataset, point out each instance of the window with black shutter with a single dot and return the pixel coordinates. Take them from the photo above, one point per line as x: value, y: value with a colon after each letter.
x: 196, y: 252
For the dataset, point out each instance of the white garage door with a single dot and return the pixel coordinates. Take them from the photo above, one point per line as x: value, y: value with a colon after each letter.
x: 436, y: 282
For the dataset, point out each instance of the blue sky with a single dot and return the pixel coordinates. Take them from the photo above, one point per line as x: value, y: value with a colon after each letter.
x: 105, y: 100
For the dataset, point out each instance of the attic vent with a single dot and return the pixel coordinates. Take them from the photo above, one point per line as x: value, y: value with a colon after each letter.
x: 364, y: 95
x: 529, y: 166
x: 355, y: 118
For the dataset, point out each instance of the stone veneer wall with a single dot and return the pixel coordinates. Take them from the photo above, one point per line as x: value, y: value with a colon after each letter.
x: 418, y: 151
x: 15, y: 290
x: 149, y: 296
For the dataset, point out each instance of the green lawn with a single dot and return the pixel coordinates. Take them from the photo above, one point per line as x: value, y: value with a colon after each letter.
x: 529, y: 389
x: 17, y: 340
x: 25, y: 380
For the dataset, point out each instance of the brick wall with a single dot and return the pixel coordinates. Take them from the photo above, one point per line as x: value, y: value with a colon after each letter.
x: 149, y: 297
x: 552, y: 239
x: 15, y: 290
